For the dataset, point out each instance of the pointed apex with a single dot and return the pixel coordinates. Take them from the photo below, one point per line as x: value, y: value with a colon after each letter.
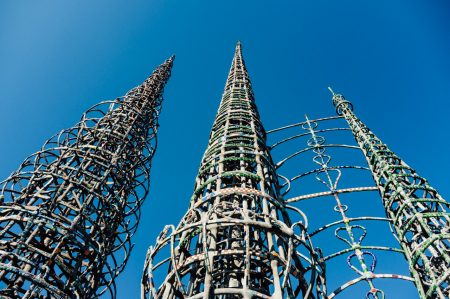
x: 170, y: 59
x: 340, y: 102
x: 168, y: 63
x: 331, y: 90
x: 238, y: 76
x: 238, y: 47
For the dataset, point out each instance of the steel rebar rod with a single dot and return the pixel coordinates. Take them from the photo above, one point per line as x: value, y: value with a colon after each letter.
x: 236, y: 240
x: 68, y: 213
x: 419, y: 215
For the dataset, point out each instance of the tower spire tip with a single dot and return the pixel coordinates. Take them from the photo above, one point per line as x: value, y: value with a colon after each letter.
x: 331, y: 90
x: 238, y: 45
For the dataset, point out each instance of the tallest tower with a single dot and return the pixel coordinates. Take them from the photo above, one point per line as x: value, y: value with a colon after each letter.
x: 236, y: 239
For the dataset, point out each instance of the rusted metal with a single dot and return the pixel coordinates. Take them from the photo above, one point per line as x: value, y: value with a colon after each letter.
x: 68, y: 213
x: 237, y: 239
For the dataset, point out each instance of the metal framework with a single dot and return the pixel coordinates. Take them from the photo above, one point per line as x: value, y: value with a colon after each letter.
x: 237, y: 239
x: 419, y: 215
x: 351, y: 248
x: 68, y: 213
x: 414, y: 211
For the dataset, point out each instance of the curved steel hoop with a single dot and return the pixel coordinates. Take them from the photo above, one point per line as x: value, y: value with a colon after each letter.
x: 68, y: 213
x: 237, y: 239
x: 361, y: 258
x: 419, y: 214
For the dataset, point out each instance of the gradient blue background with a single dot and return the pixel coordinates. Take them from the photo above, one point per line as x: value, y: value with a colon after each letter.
x: 390, y: 58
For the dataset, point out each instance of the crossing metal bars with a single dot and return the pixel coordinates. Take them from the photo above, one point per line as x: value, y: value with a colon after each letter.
x: 236, y: 239
x: 68, y: 213
x: 420, y: 216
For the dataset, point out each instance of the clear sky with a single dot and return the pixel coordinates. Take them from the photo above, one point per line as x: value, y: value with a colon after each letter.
x: 390, y: 58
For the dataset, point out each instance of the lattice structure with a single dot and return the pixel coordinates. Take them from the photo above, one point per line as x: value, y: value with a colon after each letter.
x: 236, y: 239
x: 68, y: 213
x: 420, y: 216
x: 335, y: 185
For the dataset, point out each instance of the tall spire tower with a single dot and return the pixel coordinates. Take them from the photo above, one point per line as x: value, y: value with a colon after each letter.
x: 68, y: 213
x: 236, y: 239
x: 419, y: 215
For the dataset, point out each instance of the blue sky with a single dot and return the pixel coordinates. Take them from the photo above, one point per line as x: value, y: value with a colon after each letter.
x: 390, y: 58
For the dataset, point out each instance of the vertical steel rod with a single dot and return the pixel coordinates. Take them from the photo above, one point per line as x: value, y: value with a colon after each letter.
x: 419, y: 215
x: 68, y: 213
x: 236, y: 240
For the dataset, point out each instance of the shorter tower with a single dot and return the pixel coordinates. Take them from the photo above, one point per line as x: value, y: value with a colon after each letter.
x: 419, y: 215
x: 236, y: 239
x: 68, y: 213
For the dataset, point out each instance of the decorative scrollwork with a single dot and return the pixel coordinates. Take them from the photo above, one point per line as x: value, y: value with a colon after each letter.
x: 237, y: 240
x: 420, y: 216
x: 361, y: 258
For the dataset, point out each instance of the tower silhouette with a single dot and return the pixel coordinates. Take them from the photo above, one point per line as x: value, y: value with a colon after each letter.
x: 350, y: 165
x: 68, y: 213
x: 419, y: 215
x: 244, y: 235
x: 236, y: 240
